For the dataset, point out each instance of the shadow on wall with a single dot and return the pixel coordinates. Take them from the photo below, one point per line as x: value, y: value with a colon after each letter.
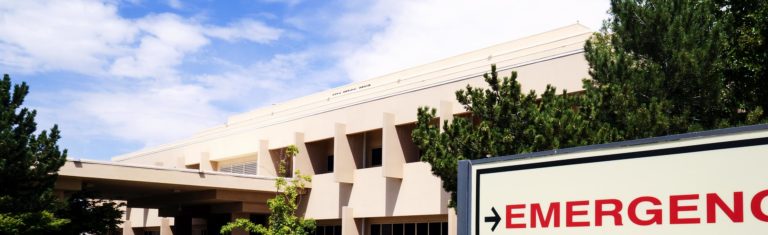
x: 393, y: 191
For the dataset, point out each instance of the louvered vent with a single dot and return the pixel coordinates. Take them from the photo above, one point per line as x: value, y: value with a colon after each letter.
x: 248, y: 168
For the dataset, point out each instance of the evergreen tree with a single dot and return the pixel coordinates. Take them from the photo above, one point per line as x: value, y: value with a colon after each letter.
x: 657, y: 68
x: 28, y: 166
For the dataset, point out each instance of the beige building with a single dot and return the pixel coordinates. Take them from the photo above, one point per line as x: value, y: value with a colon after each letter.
x: 354, y: 141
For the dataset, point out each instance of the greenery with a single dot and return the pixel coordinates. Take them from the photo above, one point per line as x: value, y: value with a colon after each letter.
x: 29, y: 164
x: 283, y: 219
x: 89, y: 215
x: 657, y: 68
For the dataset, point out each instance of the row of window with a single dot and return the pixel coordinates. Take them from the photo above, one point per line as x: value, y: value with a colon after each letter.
x: 437, y: 228
x: 328, y: 230
x: 249, y: 168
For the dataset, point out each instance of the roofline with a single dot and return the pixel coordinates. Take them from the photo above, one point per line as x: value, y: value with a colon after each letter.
x: 217, y: 131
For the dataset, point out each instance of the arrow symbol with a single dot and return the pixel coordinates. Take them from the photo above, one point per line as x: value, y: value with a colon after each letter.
x: 495, y: 219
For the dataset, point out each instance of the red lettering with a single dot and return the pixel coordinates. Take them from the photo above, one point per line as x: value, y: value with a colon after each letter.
x: 757, y: 210
x: 656, y: 213
x: 736, y: 213
x: 570, y: 213
x: 552, y: 213
x: 675, y: 208
x: 600, y: 212
x: 511, y: 215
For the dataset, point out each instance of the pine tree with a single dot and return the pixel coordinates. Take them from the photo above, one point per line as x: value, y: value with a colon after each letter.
x: 28, y: 166
x: 657, y: 68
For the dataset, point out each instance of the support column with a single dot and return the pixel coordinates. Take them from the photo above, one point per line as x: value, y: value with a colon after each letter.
x: 446, y: 112
x: 392, y: 150
x: 165, y: 227
x: 235, y: 216
x: 181, y: 163
x: 205, y: 162
x: 266, y: 166
x: 348, y: 224
x: 302, y: 161
x: 452, y: 222
x: 343, y: 162
x: 127, y: 229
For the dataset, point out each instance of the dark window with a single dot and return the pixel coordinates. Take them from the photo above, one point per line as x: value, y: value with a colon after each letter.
x: 434, y: 228
x: 319, y: 230
x: 445, y: 229
x: 422, y: 229
x: 410, y: 229
x: 328, y: 230
x: 375, y: 229
x: 376, y: 157
x: 329, y: 163
x: 386, y: 229
x: 337, y: 230
x: 397, y: 229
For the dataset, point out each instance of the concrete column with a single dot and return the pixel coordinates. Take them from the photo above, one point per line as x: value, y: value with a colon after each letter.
x: 127, y: 229
x: 344, y: 161
x: 302, y: 162
x: 205, y: 162
x: 452, y: 222
x: 348, y: 224
x: 165, y: 227
x: 266, y: 166
x: 235, y: 216
x: 446, y: 112
x: 181, y: 162
x: 392, y: 150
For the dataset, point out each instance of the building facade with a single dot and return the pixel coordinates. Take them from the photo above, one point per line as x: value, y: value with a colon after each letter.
x: 354, y: 141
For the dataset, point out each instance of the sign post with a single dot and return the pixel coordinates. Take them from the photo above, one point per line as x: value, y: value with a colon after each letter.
x: 713, y: 182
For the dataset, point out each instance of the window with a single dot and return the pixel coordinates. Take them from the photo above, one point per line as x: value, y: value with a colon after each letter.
x: 376, y: 157
x: 434, y: 228
x: 328, y: 230
x: 329, y: 163
x: 248, y: 168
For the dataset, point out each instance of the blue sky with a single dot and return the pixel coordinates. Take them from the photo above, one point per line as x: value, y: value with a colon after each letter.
x: 119, y: 76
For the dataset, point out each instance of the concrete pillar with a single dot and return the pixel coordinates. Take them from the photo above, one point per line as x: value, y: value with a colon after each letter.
x: 266, y: 166
x: 301, y: 161
x: 235, y: 216
x: 452, y: 222
x: 446, y: 112
x: 181, y: 162
x: 165, y: 227
x: 127, y: 229
x: 205, y: 162
x: 343, y: 159
x: 392, y: 150
x: 348, y: 224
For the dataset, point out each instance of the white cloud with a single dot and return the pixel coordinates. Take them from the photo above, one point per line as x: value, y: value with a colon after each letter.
x: 35, y: 36
x: 141, y: 95
x: 246, y: 29
x: 167, y: 39
x: 418, y: 32
x: 149, y: 114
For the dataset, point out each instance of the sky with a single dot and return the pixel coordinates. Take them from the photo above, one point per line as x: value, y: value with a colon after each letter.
x: 119, y: 76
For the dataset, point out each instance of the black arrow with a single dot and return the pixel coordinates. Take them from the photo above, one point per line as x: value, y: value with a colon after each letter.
x: 495, y: 219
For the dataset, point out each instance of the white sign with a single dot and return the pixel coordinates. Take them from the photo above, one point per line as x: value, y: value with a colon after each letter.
x: 706, y: 185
